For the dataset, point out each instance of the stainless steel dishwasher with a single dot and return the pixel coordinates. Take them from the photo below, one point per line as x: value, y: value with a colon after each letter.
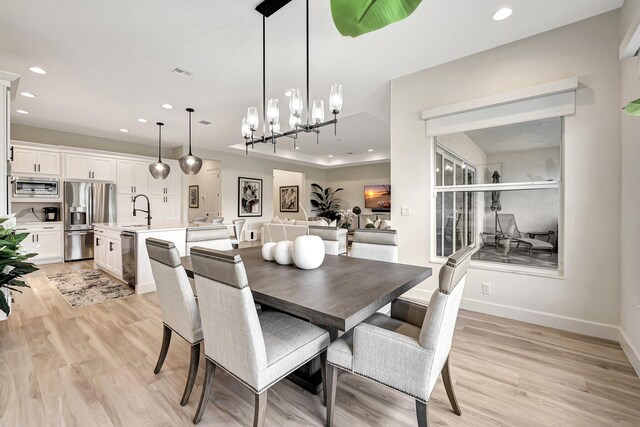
x: 128, y: 244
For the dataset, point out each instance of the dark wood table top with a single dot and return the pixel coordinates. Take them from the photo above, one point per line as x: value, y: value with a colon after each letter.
x: 341, y: 293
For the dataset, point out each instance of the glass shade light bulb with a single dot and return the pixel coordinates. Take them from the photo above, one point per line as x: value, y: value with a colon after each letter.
x: 253, y: 120
x: 273, y: 111
x: 317, y: 112
x: 295, y: 102
x: 335, y: 98
x: 293, y: 121
x: 246, y: 132
x: 275, y: 127
x: 158, y: 169
x: 190, y: 164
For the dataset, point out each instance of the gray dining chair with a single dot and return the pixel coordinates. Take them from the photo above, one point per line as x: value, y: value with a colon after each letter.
x: 238, y: 224
x: 180, y: 312
x: 256, y: 349
x: 334, y: 238
x: 408, y: 350
x: 214, y: 237
x: 217, y: 220
x: 200, y: 219
x: 377, y: 245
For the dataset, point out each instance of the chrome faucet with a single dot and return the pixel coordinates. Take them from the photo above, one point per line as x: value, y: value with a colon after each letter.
x: 148, y: 211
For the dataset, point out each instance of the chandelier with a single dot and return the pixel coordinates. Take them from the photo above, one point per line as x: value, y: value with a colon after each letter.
x: 314, y: 116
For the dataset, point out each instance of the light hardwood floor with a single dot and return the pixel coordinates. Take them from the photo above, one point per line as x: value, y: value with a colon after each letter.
x: 61, y: 366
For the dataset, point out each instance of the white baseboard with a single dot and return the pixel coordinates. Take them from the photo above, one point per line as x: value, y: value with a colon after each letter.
x: 633, y: 354
x: 144, y: 288
x: 571, y: 324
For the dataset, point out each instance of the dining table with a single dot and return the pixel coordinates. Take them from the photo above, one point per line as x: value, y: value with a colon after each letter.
x: 336, y: 296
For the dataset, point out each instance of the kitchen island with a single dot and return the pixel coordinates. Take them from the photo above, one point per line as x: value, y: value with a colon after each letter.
x: 120, y: 249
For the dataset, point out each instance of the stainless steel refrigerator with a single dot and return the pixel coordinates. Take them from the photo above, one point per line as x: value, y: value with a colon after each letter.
x: 85, y: 204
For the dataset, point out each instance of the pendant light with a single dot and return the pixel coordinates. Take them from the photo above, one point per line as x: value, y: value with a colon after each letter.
x: 159, y: 170
x: 190, y: 164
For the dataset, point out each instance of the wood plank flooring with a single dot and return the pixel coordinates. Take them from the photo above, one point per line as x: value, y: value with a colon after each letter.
x: 93, y: 366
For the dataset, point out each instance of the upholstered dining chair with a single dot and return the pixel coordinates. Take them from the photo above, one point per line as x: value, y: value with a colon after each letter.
x: 200, y: 219
x: 377, y: 245
x: 256, y: 349
x: 214, y: 237
x: 408, y: 350
x: 238, y: 224
x: 217, y: 220
x: 180, y: 312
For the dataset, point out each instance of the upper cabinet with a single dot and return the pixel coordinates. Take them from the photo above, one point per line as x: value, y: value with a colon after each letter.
x: 170, y: 185
x: 133, y: 177
x: 89, y: 167
x: 29, y: 161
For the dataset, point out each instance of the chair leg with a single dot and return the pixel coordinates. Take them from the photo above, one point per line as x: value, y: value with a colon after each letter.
x: 331, y: 376
x: 206, y: 391
x: 422, y: 413
x: 323, y: 371
x: 166, y: 340
x: 260, y: 409
x: 193, y: 372
x: 448, y: 386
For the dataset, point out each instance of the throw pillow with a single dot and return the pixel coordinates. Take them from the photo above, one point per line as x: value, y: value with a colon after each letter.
x: 386, y: 225
x: 333, y: 223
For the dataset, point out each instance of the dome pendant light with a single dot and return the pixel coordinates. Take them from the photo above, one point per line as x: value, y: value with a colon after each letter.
x: 159, y: 170
x: 190, y: 164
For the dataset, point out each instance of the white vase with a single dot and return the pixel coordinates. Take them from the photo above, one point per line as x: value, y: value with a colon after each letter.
x: 283, y: 252
x: 269, y: 251
x: 308, y: 252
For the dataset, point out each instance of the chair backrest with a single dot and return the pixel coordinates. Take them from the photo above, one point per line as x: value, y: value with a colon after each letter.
x: 438, y: 326
x: 214, y: 237
x: 200, y: 219
x: 377, y: 245
x: 232, y: 333
x: 217, y: 220
x: 507, y: 224
x: 238, y: 224
x: 179, y: 307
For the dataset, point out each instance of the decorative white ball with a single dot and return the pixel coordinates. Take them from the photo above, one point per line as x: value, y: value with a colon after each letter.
x: 283, y: 252
x: 269, y: 251
x: 308, y: 252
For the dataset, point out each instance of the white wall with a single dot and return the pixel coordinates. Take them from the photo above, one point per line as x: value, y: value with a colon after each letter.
x: 202, y: 181
x: 630, y: 210
x: 354, y: 178
x: 283, y: 178
x: 587, y: 299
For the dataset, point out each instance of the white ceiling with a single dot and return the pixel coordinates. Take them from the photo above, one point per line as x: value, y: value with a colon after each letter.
x: 108, y: 63
x: 532, y: 135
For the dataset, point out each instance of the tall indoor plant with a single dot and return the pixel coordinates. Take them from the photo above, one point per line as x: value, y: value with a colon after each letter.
x: 14, y: 260
x: 324, y: 201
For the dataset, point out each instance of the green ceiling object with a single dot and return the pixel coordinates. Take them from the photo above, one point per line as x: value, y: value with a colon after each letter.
x: 356, y: 17
x: 633, y: 108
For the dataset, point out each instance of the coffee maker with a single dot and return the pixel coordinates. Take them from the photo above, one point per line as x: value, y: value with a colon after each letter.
x: 51, y: 214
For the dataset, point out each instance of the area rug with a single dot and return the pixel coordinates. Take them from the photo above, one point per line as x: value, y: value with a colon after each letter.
x: 86, y: 287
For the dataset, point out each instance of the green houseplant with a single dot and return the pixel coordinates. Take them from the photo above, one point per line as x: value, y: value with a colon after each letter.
x: 324, y: 202
x: 633, y: 108
x: 14, y: 260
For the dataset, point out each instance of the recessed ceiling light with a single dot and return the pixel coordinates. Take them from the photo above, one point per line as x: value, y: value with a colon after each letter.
x: 124, y: 130
x: 503, y: 13
x: 37, y: 70
x: 330, y: 155
x: 288, y: 93
x: 370, y: 150
x: 297, y: 148
x: 142, y: 120
x: 22, y: 112
x: 167, y: 106
x: 27, y: 94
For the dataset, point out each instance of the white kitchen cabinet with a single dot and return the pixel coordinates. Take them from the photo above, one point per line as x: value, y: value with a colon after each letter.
x: 124, y: 210
x: 107, y: 252
x: 132, y: 177
x: 165, y: 209
x: 50, y: 241
x: 89, y: 167
x: 30, y: 161
x: 99, y: 248
x: 170, y: 185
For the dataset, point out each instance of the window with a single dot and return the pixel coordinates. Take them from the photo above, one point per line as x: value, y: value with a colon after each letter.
x: 498, y: 189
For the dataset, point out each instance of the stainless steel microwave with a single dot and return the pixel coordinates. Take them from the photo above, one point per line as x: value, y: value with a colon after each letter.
x: 35, y: 187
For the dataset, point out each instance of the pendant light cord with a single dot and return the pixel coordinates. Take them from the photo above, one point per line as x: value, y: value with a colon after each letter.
x: 189, y: 110
x: 159, y: 142
x: 264, y: 78
x: 308, y: 95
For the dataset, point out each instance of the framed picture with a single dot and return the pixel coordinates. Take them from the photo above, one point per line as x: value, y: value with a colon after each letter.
x: 289, y: 198
x: 249, y: 196
x: 194, y: 196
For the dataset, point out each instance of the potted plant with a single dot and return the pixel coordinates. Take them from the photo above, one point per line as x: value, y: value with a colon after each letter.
x: 324, y: 202
x: 14, y: 260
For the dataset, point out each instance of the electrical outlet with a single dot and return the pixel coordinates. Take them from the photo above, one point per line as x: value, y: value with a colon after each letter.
x: 486, y: 288
x: 405, y: 211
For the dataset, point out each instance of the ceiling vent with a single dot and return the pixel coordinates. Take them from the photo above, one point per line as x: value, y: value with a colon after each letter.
x: 182, y: 71
x: 204, y: 122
